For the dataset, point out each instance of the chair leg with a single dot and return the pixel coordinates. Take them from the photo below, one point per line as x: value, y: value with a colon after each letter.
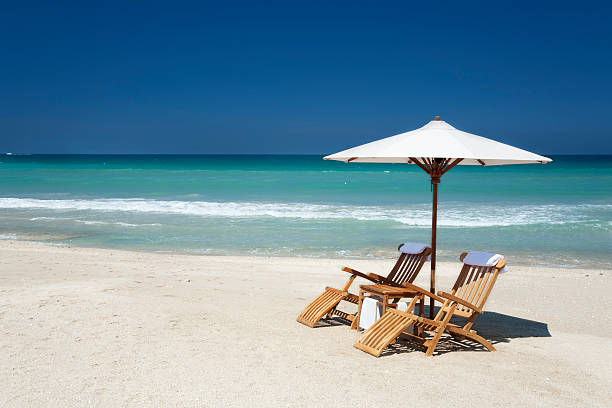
x: 417, y: 330
x: 431, y: 344
x: 355, y: 323
x: 482, y: 341
x: 472, y: 336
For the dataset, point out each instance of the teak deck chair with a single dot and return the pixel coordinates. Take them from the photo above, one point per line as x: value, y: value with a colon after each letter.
x: 406, y: 269
x: 466, y: 300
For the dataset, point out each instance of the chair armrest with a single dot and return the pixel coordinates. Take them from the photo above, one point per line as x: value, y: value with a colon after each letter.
x: 360, y: 274
x: 376, y: 276
x: 460, y: 301
x: 382, y: 279
x: 422, y: 291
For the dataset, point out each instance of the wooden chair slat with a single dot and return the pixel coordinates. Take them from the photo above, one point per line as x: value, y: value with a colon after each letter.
x: 400, y: 269
x: 483, y: 284
x: 411, y: 267
x: 462, y: 285
x: 404, y: 272
x: 471, y: 286
x: 396, y: 267
x: 477, y: 285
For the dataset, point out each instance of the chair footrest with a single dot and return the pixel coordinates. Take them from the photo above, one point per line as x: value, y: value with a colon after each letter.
x: 384, y: 332
x: 321, y: 306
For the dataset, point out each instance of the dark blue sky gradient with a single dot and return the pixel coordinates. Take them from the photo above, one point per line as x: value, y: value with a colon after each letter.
x: 177, y: 77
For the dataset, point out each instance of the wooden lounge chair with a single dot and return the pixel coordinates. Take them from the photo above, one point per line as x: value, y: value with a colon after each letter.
x: 465, y: 300
x: 406, y: 269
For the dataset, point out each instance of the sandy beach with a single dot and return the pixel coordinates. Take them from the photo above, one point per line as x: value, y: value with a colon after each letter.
x: 95, y: 327
x: 179, y: 181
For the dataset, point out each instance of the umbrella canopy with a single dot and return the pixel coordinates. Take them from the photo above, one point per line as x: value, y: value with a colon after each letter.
x: 438, y: 139
x: 436, y: 148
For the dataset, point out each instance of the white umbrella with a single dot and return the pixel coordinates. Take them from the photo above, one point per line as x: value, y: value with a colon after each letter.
x: 436, y: 148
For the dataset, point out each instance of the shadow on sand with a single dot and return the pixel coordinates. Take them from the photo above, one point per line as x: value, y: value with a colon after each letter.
x: 495, y: 327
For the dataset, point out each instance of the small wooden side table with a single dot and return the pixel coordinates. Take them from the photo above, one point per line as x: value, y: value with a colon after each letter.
x: 386, y: 293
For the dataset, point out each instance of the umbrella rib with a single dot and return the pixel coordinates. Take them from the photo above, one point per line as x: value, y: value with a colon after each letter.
x: 418, y: 163
x: 429, y: 166
x: 450, y: 166
x: 444, y: 163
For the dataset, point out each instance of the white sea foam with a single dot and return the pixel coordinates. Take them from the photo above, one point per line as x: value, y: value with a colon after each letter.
x: 122, y: 224
x: 50, y: 218
x: 418, y: 215
x: 92, y: 222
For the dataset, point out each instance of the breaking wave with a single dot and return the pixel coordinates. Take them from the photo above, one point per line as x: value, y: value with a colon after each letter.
x: 417, y: 215
x: 89, y: 222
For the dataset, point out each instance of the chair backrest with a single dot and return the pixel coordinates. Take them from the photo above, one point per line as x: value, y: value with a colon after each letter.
x: 408, y: 266
x: 474, y: 285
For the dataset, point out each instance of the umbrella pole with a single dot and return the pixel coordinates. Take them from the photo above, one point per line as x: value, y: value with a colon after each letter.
x: 434, y: 221
x: 435, y: 167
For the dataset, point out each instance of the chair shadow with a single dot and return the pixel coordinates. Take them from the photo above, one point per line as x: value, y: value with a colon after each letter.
x: 502, y: 328
x: 334, y: 321
x: 495, y: 327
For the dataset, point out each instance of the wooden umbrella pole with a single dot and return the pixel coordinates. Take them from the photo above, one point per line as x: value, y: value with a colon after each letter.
x: 434, y: 221
x: 435, y: 167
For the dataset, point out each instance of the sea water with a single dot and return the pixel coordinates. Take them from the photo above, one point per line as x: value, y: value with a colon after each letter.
x: 554, y: 214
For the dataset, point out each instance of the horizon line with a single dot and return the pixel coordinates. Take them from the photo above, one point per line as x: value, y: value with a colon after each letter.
x: 11, y: 154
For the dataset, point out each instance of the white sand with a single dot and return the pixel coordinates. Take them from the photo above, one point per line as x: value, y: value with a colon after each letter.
x: 93, y: 327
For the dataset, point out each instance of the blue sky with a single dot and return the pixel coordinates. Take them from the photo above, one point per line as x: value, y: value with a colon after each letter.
x: 181, y: 77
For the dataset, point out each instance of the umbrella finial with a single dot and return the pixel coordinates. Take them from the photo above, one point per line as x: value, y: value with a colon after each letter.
x: 437, y: 118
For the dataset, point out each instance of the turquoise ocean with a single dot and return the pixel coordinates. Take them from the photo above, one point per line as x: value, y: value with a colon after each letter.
x: 554, y: 214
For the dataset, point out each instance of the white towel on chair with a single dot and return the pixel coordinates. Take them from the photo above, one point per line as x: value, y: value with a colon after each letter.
x: 412, y: 248
x: 484, y: 259
x: 371, y: 311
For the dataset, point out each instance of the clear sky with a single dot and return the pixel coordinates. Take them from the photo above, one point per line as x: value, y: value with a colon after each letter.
x: 226, y: 77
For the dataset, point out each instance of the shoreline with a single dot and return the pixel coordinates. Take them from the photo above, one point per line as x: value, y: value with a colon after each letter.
x: 105, y: 327
x: 513, y: 260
